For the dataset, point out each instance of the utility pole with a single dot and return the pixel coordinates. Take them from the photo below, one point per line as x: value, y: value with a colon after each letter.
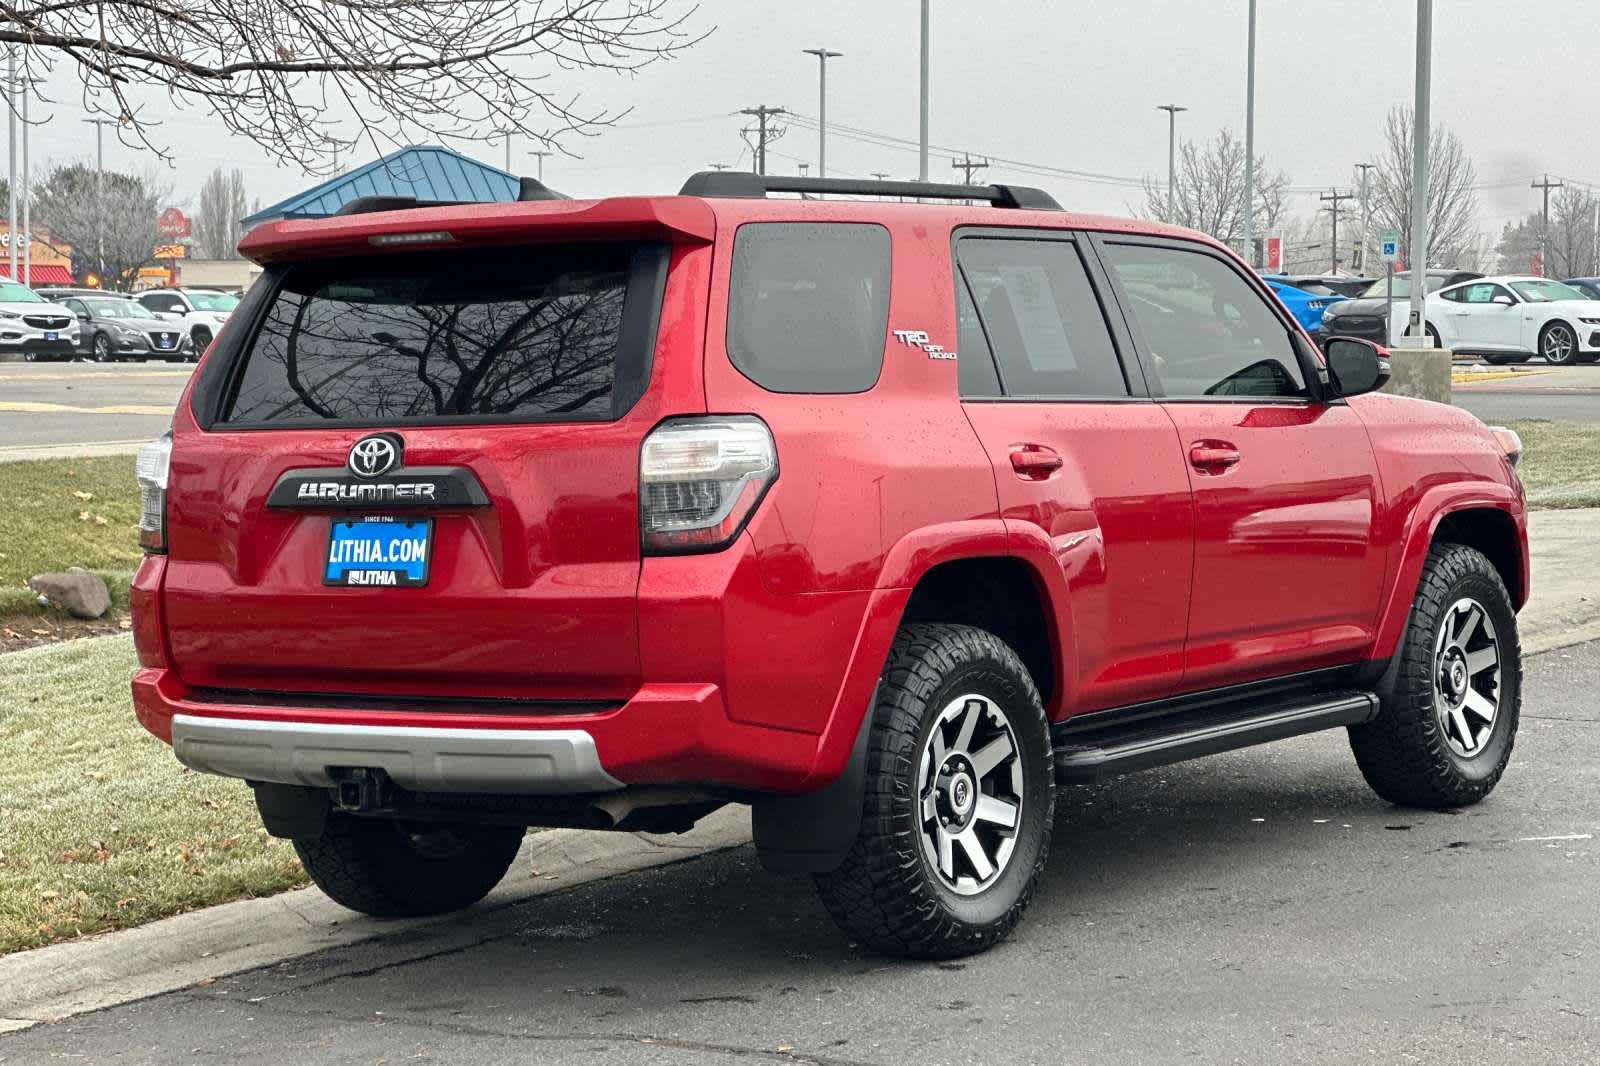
x: 27, y: 195
x: 719, y: 166
x: 508, y: 151
x: 882, y: 175
x: 823, y: 55
x: 922, y: 140
x: 967, y: 165
x: 1172, y: 158
x: 100, y: 125
x: 11, y: 186
x: 1334, y: 197
x: 1366, y: 213
x: 540, y: 154
x: 1544, y: 231
x: 1250, y: 142
x: 761, y: 114
x: 1421, y: 133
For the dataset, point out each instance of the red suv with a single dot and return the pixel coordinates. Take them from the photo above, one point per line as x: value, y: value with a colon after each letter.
x: 885, y: 518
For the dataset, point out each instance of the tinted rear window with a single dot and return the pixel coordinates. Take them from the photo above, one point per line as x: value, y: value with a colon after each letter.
x: 809, y: 305
x: 545, y: 333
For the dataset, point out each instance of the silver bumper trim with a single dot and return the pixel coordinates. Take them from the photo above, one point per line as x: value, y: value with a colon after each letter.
x: 536, y: 762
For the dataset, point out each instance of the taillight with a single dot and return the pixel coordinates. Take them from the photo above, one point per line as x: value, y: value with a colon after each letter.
x: 700, y: 480
x: 151, y: 471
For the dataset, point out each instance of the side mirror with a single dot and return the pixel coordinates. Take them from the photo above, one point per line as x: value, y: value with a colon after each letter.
x: 1355, y: 366
x: 83, y: 316
x: 1505, y: 301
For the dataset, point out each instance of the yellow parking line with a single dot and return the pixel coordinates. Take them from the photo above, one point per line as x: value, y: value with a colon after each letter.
x: 27, y: 407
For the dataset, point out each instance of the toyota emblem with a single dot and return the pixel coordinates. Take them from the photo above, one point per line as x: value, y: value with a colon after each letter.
x: 375, y: 455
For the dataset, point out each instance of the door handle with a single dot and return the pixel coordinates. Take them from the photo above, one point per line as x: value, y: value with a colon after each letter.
x: 1212, y: 456
x: 1034, y: 462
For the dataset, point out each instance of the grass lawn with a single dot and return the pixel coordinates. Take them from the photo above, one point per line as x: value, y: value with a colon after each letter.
x: 1560, y: 463
x: 56, y: 513
x: 100, y: 827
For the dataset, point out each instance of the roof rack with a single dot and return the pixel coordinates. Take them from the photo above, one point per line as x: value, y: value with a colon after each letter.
x: 731, y: 183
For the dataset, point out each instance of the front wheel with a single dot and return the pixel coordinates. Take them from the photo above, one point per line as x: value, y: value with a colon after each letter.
x: 101, y: 352
x: 1558, y: 344
x: 959, y: 799
x: 1444, y: 734
x: 200, y: 337
x: 393, y: 869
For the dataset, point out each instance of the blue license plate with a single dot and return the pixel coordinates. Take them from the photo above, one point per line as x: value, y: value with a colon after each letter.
x: 379, y: 552
x: 163, y: 342
x: 51, y: 336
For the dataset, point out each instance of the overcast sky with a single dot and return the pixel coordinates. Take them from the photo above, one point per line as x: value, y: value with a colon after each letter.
x: 1064, y: 84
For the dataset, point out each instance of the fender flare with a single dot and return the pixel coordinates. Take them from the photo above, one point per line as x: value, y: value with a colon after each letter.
x: 811, y: 832
x: 1432, y: 507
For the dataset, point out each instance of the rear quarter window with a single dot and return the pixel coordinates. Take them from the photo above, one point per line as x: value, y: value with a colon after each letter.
x: 528, y: 334
x: 808, y: 306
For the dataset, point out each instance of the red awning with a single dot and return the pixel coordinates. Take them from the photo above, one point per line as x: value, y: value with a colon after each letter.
x: 52, y: 274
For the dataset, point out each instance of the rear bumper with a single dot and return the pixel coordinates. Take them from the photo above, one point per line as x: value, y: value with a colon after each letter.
x: 550, y: 762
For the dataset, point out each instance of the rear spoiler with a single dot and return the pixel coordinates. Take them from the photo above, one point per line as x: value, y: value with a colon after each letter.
x: 465, y: 225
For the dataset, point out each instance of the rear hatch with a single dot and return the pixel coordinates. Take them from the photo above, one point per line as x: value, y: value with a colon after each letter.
x: 411, y: 469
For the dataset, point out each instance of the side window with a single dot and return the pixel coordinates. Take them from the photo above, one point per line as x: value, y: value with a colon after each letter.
x: 808, y: 307
x: 1483, y: 294
x: 974, y: 361
x: 75, y: 306
x: 1041, y: 318
x: 1208, y: 332
x: 154, y: 303
x: 1455, y: 296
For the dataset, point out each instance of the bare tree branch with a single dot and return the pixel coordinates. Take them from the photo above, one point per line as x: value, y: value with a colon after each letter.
x: 1452, y: 205
x: 1209, y: 195
x: 311, y: 79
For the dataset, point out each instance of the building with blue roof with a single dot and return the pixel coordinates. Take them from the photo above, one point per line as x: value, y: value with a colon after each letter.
x: 426, y: 172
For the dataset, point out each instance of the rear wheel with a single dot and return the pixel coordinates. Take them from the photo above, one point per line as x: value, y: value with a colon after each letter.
x: 1444, y: 734
x: 393, y: 869
x: 1558, y: 344
x: 1433, y: 337
x: 959, y: 799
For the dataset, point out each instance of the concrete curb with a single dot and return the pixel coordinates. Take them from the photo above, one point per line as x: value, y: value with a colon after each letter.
x: 70, y: 451
x: 49, y: 984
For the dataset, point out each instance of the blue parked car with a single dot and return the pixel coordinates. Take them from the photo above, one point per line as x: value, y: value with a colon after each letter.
x: 1590, y: 287
x: 1307, y: 308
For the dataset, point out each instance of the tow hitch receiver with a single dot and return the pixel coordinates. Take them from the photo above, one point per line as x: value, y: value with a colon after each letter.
x: 362, y: 789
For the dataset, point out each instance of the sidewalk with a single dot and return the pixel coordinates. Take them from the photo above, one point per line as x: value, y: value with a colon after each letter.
x: 1565, y: 606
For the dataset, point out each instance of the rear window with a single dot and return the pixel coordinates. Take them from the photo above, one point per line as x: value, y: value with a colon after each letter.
x: 529, y: 334
x: 809, y: 305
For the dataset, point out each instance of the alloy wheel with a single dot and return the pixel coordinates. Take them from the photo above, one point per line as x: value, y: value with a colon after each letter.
x: 970, y: 789
x: 102, y: 349
x: 1466, y: 677
x: 1559, y: 344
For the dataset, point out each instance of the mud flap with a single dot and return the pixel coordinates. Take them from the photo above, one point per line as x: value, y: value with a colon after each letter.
x: 812, y: 833
x: 291, y: 812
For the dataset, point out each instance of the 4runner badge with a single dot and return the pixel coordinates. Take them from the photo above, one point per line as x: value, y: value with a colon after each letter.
x: 918, y: 338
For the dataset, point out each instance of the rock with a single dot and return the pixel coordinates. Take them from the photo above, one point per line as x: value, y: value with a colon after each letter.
x: 78, y: 592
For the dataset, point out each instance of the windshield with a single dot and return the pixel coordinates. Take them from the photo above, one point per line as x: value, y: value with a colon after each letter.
x: 108, y: 308
x: 1539, y: 292
x: 213, y: 301
x: 1402, y: 286
x: 13, y: 293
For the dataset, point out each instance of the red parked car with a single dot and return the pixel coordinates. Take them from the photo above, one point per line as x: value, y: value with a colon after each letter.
x: 885, y: 518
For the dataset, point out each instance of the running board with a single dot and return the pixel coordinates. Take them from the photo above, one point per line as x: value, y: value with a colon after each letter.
x: 1104, y: 744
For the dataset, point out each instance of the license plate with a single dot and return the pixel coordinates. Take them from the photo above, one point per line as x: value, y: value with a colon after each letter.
x: 163, y: 342
x: 51, y: 336
x: 379, y: 552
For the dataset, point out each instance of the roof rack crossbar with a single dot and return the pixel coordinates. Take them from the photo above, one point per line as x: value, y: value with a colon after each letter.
x: 730, y: 183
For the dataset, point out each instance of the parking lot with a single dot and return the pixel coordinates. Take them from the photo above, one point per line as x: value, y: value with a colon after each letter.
x: 1257, y: 907
x: 62, y: 408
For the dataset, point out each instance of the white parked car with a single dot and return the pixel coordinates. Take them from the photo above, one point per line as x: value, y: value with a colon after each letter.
x: 1513, y: 318
x: 202, y: 311
x: 33, y: 327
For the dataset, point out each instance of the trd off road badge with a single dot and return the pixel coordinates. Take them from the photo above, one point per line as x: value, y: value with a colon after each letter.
x: 918, y: 338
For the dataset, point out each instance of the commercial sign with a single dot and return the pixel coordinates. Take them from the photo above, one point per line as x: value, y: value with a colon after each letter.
x: 174, y: 225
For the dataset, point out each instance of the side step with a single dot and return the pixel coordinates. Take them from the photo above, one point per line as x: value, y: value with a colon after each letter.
x: 1096, y: 746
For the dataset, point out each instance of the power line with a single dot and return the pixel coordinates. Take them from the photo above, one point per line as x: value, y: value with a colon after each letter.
x: 1544, y: 230
x: 966, y: 164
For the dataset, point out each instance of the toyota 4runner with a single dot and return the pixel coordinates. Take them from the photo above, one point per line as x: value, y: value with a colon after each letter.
x: 884, y: 518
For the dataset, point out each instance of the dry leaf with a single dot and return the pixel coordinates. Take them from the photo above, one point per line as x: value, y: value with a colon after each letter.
x: 83, y: 495
x: 204, y: 981
x: 101, y: 520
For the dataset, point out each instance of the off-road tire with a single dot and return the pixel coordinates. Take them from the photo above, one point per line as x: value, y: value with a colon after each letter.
x: 377, y: 867
x: 1404, y: 753
x: 886, y: 894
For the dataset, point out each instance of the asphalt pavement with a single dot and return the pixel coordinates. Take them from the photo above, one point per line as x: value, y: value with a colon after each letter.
x: 1561, y: 394
x: 1256, y: 907
x: 47, y: 407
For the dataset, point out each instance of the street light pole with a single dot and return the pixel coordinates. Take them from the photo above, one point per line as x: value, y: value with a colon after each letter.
x: 1172, y: 158
x: 922, y: 142
x: 540, y: 154
x: 1366, y: 213
x: 1250, y: 142
x: 823, y: 55
x: 27, y: 196
x: 11, y: 186
x: 100, y: 125
x: 1421, y: 133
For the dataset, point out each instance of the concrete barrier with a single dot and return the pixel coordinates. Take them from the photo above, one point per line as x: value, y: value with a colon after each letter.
x: 1420, y: 372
